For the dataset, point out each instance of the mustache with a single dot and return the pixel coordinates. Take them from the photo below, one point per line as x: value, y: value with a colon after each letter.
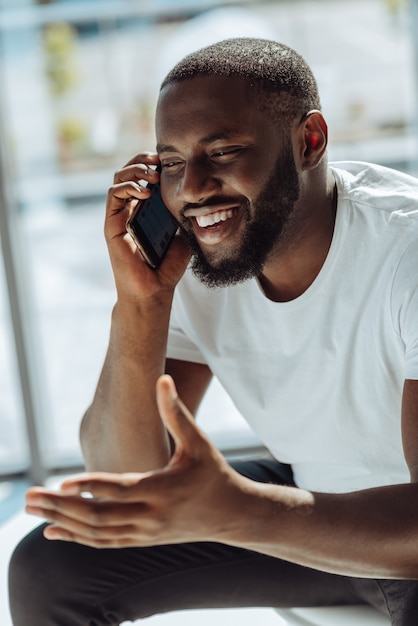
x: 214, y: 201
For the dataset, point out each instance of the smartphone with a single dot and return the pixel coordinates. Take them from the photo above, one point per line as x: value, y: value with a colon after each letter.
x: 152, y: 227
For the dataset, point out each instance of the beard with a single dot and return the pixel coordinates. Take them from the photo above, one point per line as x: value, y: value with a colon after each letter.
x: 264, y: 234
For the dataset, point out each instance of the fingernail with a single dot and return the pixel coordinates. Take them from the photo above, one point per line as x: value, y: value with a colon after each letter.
x: 54, y: 533
x: 36, y: 501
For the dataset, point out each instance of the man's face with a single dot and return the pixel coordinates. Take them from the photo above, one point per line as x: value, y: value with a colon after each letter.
x: 228, y: 176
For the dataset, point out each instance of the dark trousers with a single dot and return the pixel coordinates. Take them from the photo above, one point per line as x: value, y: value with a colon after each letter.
x: 56, y: 583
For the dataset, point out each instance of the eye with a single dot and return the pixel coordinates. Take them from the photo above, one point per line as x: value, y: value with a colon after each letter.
x: 171, y: 165
x: 226, y: 154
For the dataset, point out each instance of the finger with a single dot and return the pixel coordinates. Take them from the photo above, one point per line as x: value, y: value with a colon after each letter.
x: 55, y: 532
x: 130, y: 492
x: 188, y: 438
x: 116, y: 487
x: 122, y: 199
x: 62, y: 528
x: 137, y: 172
x: 55, y: 506
x: 120, y: 193
x: 142, y: 166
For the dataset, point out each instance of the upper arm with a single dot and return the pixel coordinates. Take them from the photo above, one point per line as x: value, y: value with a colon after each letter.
x: 191, y: 379
x: 410, y: 426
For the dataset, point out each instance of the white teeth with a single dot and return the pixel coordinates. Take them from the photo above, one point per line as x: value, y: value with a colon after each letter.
x: 213, y: 218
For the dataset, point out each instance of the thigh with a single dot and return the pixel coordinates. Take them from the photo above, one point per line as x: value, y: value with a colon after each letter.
x: 64, y: 583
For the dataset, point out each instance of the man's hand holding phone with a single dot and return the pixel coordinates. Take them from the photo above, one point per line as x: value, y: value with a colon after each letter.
x: 138, y: 227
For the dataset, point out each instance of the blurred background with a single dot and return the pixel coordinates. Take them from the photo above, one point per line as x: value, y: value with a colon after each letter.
x: 79, y: 81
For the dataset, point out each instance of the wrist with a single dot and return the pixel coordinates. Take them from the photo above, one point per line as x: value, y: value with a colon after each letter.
x: 271, y: 517
x: 140, y: 329
x: 132, y: 307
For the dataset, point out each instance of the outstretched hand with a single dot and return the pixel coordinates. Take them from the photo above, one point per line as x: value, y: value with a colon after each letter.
x: 196, y: 497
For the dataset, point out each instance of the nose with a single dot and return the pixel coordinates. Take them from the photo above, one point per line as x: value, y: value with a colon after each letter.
x: 198, y: 182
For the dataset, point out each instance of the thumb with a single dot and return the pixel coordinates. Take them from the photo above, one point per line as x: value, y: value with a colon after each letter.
x: 188, y: 438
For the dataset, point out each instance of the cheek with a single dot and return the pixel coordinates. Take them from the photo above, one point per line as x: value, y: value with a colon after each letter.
x: 244, y: 180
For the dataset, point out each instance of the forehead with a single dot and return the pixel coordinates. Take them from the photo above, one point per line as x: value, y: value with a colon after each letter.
x: 206, y: 104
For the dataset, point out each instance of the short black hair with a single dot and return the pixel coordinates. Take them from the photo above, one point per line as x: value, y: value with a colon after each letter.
x: 278, y: 75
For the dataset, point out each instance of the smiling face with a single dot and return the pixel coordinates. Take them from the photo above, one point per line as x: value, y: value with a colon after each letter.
x: 228, y: 176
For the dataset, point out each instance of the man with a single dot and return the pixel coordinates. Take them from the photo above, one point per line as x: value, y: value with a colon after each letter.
x: 302, y: 298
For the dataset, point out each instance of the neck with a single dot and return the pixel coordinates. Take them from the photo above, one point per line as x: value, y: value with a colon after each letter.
x: 289, y: 272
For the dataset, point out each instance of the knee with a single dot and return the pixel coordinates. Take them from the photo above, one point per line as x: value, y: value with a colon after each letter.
x: 25, y: 572
x: 57, y: 582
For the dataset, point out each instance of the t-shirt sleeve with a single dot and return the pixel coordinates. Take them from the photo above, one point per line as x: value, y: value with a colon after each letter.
x: 180, y: 345
x: 405, y: 307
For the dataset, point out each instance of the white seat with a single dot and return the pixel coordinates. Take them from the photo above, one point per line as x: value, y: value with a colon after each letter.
x: 334, y: 616
x: 329, y: 616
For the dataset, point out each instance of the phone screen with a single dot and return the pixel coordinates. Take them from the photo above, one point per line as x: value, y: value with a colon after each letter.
x: 152, y: 227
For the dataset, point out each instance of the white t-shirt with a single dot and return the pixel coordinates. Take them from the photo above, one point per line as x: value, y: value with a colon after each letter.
x: 320, y: 378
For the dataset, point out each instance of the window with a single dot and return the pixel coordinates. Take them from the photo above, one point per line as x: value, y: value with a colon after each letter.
x: 80, y: 84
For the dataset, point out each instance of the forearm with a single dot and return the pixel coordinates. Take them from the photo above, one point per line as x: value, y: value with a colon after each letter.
x: 122, y: 430
x: 371, y: 533
x: 199, y: 497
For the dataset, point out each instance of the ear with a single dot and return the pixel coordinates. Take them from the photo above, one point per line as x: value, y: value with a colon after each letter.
x: 314, y: 139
